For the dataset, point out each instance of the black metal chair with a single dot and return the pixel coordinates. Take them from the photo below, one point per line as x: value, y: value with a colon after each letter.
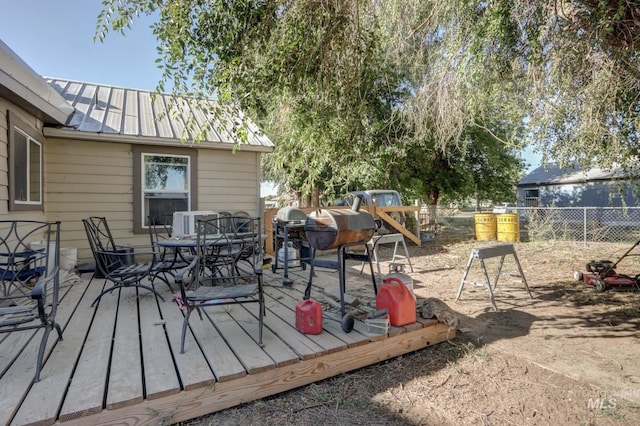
x: 169, y: 259
x: 117, y: 264
x: 30, y: 279
x: 215, y: 277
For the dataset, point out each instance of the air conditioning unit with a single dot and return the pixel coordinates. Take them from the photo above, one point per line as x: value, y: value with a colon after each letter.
x: 184, y: 223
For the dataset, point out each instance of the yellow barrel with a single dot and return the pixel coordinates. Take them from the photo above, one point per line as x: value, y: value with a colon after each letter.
x: 508, y: 227
x: 485, y: 225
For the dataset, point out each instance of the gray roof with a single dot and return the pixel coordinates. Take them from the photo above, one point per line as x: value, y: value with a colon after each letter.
x: 105, y: 112
x: 552, y: 174
x: 20, y: 84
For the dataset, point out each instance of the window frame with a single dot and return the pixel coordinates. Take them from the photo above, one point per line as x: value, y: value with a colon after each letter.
x: 138, y: 179
x: 14, y: 123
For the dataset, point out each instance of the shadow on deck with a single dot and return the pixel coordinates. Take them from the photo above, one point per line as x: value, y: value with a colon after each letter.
x: 120, y: 363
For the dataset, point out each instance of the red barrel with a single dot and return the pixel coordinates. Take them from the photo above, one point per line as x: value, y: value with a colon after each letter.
x: 309, y: 316
x: 396, y: 297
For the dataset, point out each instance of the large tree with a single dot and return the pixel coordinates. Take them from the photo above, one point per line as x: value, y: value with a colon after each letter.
x: 349, y: 88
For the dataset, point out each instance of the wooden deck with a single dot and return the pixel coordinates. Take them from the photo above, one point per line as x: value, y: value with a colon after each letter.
x: 120, y: 362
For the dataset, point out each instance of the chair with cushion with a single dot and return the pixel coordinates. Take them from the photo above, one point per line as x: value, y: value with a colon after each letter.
x: 29, y: 279
x: 118, y: 264
x: 227, y: 269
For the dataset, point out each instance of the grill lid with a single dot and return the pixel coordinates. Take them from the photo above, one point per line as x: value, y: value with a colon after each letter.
x: 291, y: 214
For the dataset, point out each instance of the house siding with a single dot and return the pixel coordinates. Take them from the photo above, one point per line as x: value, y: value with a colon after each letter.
x: 5, y: 214
x: 589, y: 194
x: 96, y: 179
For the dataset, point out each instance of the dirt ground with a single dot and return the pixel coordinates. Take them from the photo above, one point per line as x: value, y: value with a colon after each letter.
x: 569, y: 355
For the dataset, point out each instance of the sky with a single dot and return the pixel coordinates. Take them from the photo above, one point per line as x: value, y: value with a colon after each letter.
x: 55, y: 38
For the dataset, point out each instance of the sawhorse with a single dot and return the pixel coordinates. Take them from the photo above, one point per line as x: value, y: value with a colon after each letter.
x: 388, y: 239
x: 485, y: 253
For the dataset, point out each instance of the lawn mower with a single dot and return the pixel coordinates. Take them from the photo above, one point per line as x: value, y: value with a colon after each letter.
x: 602, y: 275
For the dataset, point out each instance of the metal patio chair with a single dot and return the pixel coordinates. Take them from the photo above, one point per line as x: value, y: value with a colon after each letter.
x: 215, y: 277
x: 169, y: 260
x: 117, y: 264
x: 29, y: 277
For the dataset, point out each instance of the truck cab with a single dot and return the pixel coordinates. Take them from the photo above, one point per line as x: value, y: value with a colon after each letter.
x: 380, y: 198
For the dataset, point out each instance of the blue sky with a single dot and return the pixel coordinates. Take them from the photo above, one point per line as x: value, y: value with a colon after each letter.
x: 55, y: 37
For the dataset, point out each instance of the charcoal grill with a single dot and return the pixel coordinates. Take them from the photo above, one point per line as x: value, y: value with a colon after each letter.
x: 340, y: 229
x: 288, y: 227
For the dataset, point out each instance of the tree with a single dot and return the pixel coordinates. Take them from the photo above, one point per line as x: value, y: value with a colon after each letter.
x: 353, y: 91
x: 573, y: 67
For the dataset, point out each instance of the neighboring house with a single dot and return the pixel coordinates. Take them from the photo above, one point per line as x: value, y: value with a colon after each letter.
x: 571, y: 187
x: 69, y: 150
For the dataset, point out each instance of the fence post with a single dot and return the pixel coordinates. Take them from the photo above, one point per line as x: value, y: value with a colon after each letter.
x: 585, y: 226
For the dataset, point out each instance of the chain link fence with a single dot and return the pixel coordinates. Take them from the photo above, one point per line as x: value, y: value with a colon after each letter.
x: 587, y: 224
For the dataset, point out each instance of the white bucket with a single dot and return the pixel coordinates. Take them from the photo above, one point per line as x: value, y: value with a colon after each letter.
x: 68, y: 258
x: 41, y: 245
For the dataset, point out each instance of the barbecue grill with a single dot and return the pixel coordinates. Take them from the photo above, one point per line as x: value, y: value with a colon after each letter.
x: 340, y: 229
x: 288, y: 230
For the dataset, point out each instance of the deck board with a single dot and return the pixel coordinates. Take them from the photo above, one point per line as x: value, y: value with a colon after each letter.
x: 125, y: 375
x: 86, y: 391
x: 43, y: 401
x: 160, y: 376
x: 120, y: 362
x: 192, y: 366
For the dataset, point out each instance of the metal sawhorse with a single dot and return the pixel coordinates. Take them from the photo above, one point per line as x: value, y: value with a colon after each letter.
x: 388, y: 239
x: 485, y: 253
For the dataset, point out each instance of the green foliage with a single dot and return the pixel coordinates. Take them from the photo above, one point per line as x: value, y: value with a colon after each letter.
x: 429, y: 97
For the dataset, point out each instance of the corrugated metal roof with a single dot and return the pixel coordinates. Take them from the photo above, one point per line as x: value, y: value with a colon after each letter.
x: 109, y: 110
x: 552, y: 174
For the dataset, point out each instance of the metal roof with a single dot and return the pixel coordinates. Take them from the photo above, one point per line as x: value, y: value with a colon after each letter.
x: 20, y: 84
x: 105, y: 112
x: 552, y: 174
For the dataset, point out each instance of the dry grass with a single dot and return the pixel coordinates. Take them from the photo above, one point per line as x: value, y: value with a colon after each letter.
x: 489, y: 376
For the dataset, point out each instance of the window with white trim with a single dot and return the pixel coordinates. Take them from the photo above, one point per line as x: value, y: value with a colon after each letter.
x: 166, y: 184
x: 26, y: 166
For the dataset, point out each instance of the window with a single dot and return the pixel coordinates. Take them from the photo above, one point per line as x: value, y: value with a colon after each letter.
x: 25, y: 166
x: 164, y: 183
x: 531, y: 197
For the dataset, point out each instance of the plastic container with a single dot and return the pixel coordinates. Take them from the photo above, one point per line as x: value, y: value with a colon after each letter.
x: 42, y: 245
x: 309, y: 316
x: 396, y: 270
x: 377, y: 325
x: 292, y: 255
x: 395, y: 296
x: 68, y: 258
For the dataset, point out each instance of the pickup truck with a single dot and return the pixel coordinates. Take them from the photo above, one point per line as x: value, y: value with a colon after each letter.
x: 381, y: 198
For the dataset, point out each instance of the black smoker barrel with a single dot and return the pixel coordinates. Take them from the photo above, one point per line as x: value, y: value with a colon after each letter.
x: 340, y: 229
x: 327, y: 229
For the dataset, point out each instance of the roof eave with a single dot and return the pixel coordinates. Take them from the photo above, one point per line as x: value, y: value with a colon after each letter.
x: 145, y: 140
x: 24, y: 87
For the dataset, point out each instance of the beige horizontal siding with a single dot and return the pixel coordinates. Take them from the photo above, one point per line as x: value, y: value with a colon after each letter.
x: 96, y: 179
x: 31, y: 120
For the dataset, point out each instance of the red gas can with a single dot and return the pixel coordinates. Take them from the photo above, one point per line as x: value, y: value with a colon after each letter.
x: 396, y: 297
x: 309, y: 316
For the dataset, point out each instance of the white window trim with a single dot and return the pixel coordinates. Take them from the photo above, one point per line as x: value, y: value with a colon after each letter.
x: 143, y: 190
x: 15, y: 124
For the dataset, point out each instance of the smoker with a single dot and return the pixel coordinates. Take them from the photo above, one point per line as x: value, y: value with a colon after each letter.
x: 340, y: 229
x: 289, y: 238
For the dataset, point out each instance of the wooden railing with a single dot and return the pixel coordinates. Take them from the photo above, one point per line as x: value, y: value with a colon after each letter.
x: 382, y: 212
